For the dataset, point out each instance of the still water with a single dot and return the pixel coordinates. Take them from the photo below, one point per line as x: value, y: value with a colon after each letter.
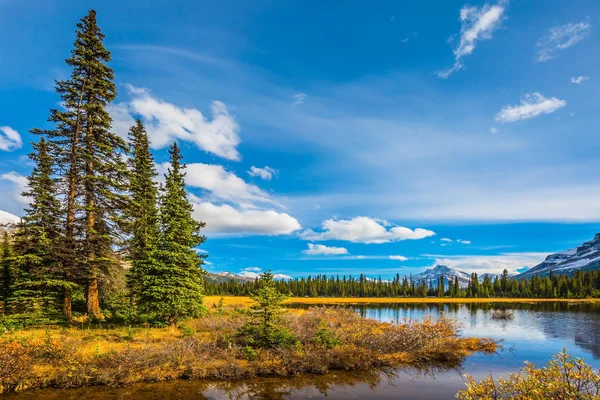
x: 537, y: 331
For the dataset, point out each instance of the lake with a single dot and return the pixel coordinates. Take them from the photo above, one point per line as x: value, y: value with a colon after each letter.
x: 537, y: 331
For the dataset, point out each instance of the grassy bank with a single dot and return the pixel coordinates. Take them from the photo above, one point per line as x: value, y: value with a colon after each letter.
x: 242, y: 301
x: 210, y: 347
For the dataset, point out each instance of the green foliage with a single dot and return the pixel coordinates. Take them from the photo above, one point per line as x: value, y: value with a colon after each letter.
x: 172, y: 285
x: 250, y: 354
x: 143, y: 213
x: 265, y: 330
x: 326, y: 337
x: 564, y: 377
x: 579, y: 285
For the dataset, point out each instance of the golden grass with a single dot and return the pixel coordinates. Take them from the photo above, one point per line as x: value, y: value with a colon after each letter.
x: 243, y: 302
x: 210, y: 348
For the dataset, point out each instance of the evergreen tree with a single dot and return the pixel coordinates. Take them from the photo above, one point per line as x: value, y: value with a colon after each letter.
x: 172, y: 278
x: 39, y: 279
x: 7, y: 276
x: 143, y: 212
x: 92, y: 170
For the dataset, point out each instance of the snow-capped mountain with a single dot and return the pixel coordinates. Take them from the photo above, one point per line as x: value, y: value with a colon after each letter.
x: 225, y: 276
x: 584, y: 257
x: 433, y: 274
x: 7, y: 218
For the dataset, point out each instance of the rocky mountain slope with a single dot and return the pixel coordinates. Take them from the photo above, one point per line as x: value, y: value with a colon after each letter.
x: 433, y: 274
x: 584, y: 257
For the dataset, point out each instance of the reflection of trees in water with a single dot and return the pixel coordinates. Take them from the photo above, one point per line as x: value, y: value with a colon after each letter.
x: 579, y: 322
x: 250, y: 389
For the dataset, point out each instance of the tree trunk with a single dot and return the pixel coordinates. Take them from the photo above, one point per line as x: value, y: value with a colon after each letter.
x: 93, y: 304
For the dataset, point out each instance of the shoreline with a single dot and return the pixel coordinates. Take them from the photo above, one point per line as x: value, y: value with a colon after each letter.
x: 237, y: 301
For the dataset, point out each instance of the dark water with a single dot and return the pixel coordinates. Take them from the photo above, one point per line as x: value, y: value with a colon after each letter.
x: 536, y: 332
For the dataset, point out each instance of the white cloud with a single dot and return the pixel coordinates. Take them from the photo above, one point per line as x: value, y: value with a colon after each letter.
x: 298, y: 99
x: 21, y: 183
x: 493, y: 130
x: 398, y: 258
x: 166, y: 122
x: 9, y: 139
x: 491, y: 264
x: 477, y: 23
x: 226, y: 219
x: 446, y: 240
x: 221, y: 183
x: 463, y: 241
x: 254, y: 272
x: 320, y: 249
x: 365, y: 230
x: 579, y: 79
x: 265, y: 173
x: 560, y: 38
x: 532, y: 105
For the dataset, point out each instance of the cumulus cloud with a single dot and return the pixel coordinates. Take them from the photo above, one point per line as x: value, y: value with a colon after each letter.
x: 9, y: 139
x: 226, y: 219
x: 532, y: 105
x: 398, y: 258
x: 364, y: 230
x: 490, y: 264
x: 21, y: 183
x: 560, y: 38
x: 298, y: 99
x: 166, y: 122
x: 265, y: 173
x: 320, y: 249
x: 477, y: 23
x: 221, y: 183
x: 579, y: 79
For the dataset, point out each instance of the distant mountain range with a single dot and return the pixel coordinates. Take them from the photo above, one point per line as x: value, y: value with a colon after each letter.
x: 585, y: 257
x: 433, y: 274
x: 225, y: 276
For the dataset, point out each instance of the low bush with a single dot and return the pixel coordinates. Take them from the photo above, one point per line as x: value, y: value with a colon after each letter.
x: 315, y: 341
x: 564, y: 377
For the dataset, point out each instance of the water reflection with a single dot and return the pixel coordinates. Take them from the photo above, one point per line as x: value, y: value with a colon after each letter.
x: 537, y: 331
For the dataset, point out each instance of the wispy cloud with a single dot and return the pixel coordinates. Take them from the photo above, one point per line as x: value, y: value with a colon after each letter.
x: 477, y: 23
x: 298, y: 99
x: 398, y: 258
x: 320, y: 249
x: 365, y: 230
x: 9, y: 139
x: 532, y: 105
x: 560, y: 38
x: 490, y: 264
x: 462, y: 241
x: 579, y: 79
x: 265, y: 173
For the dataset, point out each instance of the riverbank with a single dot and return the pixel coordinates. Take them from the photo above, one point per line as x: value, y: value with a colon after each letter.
x: 211, y: 348
x: 243, y: 301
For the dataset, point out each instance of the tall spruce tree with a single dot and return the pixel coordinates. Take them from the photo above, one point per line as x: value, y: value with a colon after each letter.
x: 143, y: 211
x: 172, y: 278
x: 40, y: 281
x: 92, y: 170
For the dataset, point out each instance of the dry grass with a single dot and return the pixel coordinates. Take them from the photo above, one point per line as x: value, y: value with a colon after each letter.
x: 208, y: 348
x: 242, y: 302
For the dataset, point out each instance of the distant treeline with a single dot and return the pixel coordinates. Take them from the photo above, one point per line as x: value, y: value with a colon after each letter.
x: 579, y: 285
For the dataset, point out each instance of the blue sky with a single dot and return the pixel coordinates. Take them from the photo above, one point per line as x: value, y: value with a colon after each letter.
x: 374, y: 137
